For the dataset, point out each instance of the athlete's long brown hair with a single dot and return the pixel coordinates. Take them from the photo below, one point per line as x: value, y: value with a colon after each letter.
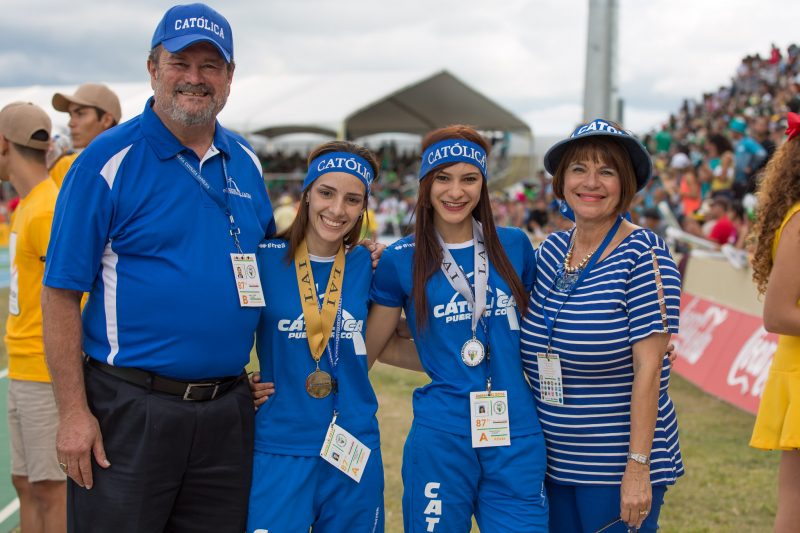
x: 778, y: 192
x: 296, y: 232
x: 428, y: 254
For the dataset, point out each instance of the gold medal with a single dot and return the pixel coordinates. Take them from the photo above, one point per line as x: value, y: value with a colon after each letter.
x: 319, y: 321
x: 319, y: 384
x: 472, y: 353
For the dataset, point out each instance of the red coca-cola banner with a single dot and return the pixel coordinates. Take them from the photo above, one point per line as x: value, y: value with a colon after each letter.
x: 724, y: 352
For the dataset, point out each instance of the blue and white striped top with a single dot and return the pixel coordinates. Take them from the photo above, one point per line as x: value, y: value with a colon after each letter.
x: 615, y: 306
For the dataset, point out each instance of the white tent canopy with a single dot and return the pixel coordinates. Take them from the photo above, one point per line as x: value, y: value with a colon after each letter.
x: 433, y: 102
x: 348, y: 105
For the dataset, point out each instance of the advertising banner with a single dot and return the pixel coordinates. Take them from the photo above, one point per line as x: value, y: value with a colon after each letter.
x: 723, y: 351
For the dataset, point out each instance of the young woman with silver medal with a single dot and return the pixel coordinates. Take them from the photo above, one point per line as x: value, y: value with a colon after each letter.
x: 317, y: 462
x: 475, y: 447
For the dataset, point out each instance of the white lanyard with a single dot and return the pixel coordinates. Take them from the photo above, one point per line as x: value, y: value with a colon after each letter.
x: 455, y: 276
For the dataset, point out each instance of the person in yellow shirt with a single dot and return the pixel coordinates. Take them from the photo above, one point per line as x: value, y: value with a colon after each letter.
x: 285, y: 212
x: 32, y: 414
x: 93, y: 109
x: 369, y: 229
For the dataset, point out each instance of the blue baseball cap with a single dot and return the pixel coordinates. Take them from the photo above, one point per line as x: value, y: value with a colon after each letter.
x: 642, y: 164
x: 738, y: 125
x: 187, y: 24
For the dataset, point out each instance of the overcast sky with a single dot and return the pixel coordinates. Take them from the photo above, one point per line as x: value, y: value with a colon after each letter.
x: 529, y: 55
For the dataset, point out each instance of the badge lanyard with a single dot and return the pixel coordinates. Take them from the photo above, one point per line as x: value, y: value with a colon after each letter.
x: 341, y: 448
x: 223, y: 203
x: 319, y: 319
x: 473, y: 352
x: 551, y: 323
x: 333, y: 358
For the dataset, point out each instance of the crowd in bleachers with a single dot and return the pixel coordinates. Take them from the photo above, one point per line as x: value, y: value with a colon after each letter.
x: 707, y: 158
x: 710, y: 153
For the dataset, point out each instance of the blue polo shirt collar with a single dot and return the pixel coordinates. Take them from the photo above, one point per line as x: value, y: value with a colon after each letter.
x: 165, y: 144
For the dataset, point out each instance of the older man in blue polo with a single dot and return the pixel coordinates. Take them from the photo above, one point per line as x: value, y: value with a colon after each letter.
x: 155, y: 415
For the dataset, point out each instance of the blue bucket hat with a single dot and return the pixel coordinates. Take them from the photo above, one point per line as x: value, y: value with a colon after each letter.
x: 642, y: 164
x: 185, y: 25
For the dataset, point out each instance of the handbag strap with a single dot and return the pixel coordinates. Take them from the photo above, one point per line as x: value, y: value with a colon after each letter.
x: 660, y: 287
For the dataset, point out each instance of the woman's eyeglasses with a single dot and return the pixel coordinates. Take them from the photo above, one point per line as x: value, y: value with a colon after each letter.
x: 631, y: 529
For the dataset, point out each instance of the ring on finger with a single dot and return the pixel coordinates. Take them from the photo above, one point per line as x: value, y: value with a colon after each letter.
x: 643, y: 512
x: 62, y: 466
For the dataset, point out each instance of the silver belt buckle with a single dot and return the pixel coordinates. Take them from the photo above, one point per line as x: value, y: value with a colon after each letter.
x: 190, y: 386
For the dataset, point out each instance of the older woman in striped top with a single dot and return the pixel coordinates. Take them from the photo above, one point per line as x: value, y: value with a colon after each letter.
x: 606, y: 299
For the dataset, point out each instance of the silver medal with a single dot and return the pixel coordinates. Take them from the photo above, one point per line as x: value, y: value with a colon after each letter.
x: 472, y: 353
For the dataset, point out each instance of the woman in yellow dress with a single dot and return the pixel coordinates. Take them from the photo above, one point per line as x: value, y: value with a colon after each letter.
x: 775, y: 272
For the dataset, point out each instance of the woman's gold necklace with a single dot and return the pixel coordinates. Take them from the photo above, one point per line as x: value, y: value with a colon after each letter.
x: 569, y: 276
x: 568, y: 259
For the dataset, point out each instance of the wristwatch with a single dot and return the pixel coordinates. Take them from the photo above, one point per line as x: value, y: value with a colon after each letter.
x: 640, y: 458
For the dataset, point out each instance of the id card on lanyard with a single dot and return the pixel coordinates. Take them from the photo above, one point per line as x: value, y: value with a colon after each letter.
x: 489, y: 417
x: 340, y: 448
x: 551, y: 383
x: 344, y: 451
x: 248, y: 281
x: 244, y: 266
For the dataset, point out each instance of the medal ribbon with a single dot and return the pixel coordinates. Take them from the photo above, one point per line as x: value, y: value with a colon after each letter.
x: 550, y: 323
x: 455, y: 276
x: 319, y: 320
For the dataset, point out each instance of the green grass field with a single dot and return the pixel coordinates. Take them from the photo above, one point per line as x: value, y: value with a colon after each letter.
x: 728, y: 487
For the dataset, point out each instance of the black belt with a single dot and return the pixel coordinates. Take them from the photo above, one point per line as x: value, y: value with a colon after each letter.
x: 191, y: 391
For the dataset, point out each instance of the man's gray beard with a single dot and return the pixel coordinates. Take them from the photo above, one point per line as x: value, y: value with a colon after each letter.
x: 206, y: 116
x: 169, y: 107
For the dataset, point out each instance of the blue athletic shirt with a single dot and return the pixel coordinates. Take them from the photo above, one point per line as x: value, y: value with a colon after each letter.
x: 614, y: 307
x: 134, y: 229
x: 748, y: 153
x: 291, y: 422
x: 443, y: 404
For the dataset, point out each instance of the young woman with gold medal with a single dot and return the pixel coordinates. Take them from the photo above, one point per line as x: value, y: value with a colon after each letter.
x: 317, y: 462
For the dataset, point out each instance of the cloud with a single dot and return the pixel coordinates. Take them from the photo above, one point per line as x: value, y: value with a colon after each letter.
x: 528, y: 56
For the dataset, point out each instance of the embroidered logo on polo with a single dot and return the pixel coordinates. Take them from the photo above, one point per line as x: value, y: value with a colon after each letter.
x: 232, y: 188
x: 403, y: 246
x: 275, y: 245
